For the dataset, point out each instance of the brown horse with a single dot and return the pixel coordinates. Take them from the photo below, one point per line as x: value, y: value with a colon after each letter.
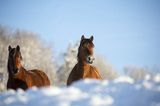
x: 19, y: 77
x: 83, y: 69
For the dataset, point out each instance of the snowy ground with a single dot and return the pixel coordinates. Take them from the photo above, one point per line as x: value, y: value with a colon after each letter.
x: 120, y: 92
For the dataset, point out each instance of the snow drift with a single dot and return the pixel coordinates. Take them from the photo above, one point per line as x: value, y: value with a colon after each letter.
x: 122, y: 91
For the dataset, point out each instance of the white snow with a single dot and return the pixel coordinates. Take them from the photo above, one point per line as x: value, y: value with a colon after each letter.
x: 122, y: 91
x: 157, y: 78
x: 124, y: 79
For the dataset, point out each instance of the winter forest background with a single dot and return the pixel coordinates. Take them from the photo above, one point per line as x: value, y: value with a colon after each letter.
x: 38, y: 54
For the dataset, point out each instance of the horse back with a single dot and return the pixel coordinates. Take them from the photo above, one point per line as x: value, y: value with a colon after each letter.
x: 37, y: 78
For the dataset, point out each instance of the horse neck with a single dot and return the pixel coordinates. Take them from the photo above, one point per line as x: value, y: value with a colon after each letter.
x: 9, y: 67
x: 81, y: 62
x: 21, y: 74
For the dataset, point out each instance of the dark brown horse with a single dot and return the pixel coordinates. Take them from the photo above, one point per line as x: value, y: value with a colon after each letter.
x: 83, y: 69
x: 19, y: 77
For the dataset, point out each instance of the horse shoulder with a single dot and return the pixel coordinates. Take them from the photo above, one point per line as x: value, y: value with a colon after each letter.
x: 21, y: 75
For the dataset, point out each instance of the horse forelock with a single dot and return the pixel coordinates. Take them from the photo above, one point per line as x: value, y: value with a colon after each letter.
x: 89, y: 41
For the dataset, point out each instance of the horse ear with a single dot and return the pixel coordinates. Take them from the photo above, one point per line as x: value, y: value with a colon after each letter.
x: 82, y: 37
x: 18, y: 47
x: 9, y: 48
x: 91, y: 38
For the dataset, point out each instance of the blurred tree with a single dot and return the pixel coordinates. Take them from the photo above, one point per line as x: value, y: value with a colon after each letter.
x: 106, y: 69
x: 140, y: 73
x: 137, y: 73
x: 70, y: 59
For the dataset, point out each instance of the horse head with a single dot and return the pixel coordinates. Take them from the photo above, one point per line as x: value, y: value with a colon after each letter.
x: 85, y: 51
x: 14, y: 60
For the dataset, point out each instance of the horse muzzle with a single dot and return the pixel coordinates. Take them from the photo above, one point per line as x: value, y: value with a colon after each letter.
x: 90, y: 59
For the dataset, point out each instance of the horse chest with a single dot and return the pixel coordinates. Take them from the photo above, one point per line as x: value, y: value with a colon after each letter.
x: 88, y: 72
